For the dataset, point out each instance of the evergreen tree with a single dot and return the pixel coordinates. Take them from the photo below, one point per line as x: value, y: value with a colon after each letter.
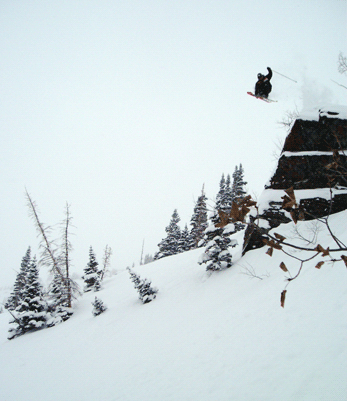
x: 91, y: 273
x: 146, y: 292
x: 59, y: 300
x: 223, y: 199
x: 199, y: 220
x: 217, y: 255
x: 98, y: 307
x: 170, y: 245
x: 185, y: 242
x: 18, y: 287
x: 238, y: 191
x: 220, y: 194
x: 227, y: 198
x: 31, y: 313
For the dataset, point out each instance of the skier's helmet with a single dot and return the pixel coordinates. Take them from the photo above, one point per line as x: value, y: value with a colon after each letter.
x: 260, y: 76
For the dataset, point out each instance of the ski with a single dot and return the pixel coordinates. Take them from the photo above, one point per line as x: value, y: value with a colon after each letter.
x: 262, y: 98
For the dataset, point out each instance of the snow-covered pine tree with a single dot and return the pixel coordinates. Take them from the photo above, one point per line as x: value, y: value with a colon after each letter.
x: 199, y: 221
x: 170, y: 245
x: 31, y: 313
x: 91, y: 273
x: 135, y: 278
x: 238, y: 190
x: 98, y: 307
x: 227, y: 199
x: 59, y: 300
x: 223, y: 199
x: 185, y: 242
x: 16, y: 296
x: 220, y: 194
x: 217, y: 255
x: 146, y: 292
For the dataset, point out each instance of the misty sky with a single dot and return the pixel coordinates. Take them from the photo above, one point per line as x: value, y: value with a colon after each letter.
x: 124, y: 109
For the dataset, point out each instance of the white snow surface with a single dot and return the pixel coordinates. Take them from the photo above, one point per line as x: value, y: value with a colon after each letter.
x: 328, y: 110
x: 220, y: 336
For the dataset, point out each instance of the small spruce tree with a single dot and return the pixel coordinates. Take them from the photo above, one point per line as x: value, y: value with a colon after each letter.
x: 199, y: 221
x: 17, y: 294
x: 170, y: 245
x: 238, y: 190
x: 91, y: 273
x: 31, y: 313
x: 185, y: 242
x: 98, y: 307
x: 146, y: 292
x: 217, y: 255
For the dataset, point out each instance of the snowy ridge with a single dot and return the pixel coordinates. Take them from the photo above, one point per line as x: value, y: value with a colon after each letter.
x: 206, y: 337
x: 329, y: 111
x: 311, y: 153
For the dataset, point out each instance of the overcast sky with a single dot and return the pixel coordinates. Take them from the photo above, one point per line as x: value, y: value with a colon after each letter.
x: 124, y: 109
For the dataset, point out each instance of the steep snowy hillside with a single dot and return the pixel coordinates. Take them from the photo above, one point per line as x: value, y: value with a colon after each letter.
x: 205, y: 337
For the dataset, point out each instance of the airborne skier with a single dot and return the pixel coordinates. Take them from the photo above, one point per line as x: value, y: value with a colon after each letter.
x: 263, y: 86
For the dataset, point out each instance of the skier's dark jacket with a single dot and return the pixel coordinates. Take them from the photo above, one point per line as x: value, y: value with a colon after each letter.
x: 263, y: 86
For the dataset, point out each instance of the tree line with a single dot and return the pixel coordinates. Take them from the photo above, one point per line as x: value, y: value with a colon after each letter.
x: 206, y: 230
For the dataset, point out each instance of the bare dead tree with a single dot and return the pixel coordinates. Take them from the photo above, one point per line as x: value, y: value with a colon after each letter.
x: 289, y: 118
x: 49, y: 255
x: 70, y: 286
x: 106, y: 261
x: 58, y: 260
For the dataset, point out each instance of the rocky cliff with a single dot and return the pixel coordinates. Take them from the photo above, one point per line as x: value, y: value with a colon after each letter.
x: 313, y: 163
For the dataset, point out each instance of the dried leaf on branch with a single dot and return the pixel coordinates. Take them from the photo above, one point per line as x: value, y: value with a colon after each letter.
x: 283, y: 267
x: 283, y: 297
x: 279, y: 237
x: 319, y: 265
x: 289, y: 200
x: 272, y: 243
x: 270, y: 251
x: 320, y: 249
x: 239, y: 210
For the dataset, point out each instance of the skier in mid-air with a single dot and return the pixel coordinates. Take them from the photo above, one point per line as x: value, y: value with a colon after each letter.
x: 263, y: 86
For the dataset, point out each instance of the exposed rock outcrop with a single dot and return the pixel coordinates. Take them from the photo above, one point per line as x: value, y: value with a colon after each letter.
x: 314, y: 163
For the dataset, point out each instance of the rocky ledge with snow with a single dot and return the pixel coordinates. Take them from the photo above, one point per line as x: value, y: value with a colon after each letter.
x: 314, y: 163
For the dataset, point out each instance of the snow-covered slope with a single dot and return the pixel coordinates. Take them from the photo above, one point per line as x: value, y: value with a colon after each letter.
x: 205, y: 337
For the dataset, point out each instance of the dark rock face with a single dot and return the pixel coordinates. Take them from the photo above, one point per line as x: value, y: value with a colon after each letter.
x: 325, y: 135
x: 314, y: 156
x: 305, y: 172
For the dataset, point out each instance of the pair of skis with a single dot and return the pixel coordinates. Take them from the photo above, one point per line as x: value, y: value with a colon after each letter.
x: 262, y: 98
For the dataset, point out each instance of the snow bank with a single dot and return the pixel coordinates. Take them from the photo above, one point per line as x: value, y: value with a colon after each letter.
x: 329, y: 110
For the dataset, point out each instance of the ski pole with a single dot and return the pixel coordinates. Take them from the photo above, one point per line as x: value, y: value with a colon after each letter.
x: 343, y: 86
x: 285, y: 76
